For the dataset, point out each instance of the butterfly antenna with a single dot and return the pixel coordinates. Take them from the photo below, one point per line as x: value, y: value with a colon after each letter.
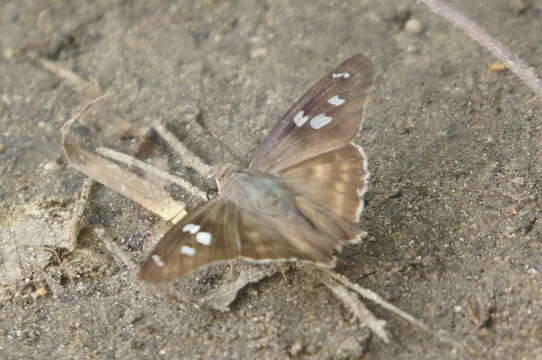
x: 225, y: 148
x: 199, y: 120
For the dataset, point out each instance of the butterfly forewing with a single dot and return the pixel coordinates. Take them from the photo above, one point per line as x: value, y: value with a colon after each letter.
x: 327, y: 117
x: 262, y: 239
x: 208, y: 234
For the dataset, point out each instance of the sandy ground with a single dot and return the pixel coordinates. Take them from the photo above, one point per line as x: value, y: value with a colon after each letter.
x: 453, y: 210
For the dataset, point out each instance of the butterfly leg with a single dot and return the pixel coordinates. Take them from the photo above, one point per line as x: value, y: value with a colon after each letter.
x: 231, y: 267
x: 283, y: 268
x: 229, y: 276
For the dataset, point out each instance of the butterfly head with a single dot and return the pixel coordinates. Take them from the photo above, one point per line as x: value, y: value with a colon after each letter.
x: 221, y: 173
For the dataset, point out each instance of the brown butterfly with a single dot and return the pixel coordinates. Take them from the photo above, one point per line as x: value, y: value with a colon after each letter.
x: 299, y: 199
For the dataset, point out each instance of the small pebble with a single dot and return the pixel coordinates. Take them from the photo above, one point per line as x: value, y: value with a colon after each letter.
x: 311, y: 349
x: 497, y: 66
x: 45, y: 126
x: 99, y: 232
x: 296, y: 349
x: 8, y: 53
x: 414, y: 26
x: 349, y: 350
x: 412, y: 49
x: 41, y: 292
x: 257, y: 53
x: 52, y: 166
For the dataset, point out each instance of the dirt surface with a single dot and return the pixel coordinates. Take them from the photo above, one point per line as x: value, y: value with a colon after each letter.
x: 453, y: 212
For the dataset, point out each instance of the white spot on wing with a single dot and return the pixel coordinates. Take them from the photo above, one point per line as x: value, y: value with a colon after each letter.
x: 300, y: 119
x: 341, y: 75
x: 187, y: 250
x: 320, y: 121
x: 191, y: 228
x: 204, y: 238
x: 157, y: 260
x: 336, y: 100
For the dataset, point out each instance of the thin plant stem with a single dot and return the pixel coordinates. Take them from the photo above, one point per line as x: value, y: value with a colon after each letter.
x: 474, y: 31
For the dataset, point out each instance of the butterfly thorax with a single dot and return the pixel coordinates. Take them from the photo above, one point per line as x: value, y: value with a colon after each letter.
x: 260, y: 192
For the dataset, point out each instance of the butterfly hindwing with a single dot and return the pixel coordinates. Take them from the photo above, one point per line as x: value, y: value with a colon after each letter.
x: 208, y: 234
x: 330, y: 185
x: 325, y: 118
x: 266, y: 238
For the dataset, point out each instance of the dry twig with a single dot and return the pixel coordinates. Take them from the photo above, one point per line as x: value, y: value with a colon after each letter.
x: 189, y: 158
x: 356, y: 307
x: 67, y: 75
x: 475, y: 32
x: 120, y: 180
x: 131, y: 161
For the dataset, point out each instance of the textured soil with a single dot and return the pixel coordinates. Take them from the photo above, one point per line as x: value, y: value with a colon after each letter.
x: 453, y: 211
